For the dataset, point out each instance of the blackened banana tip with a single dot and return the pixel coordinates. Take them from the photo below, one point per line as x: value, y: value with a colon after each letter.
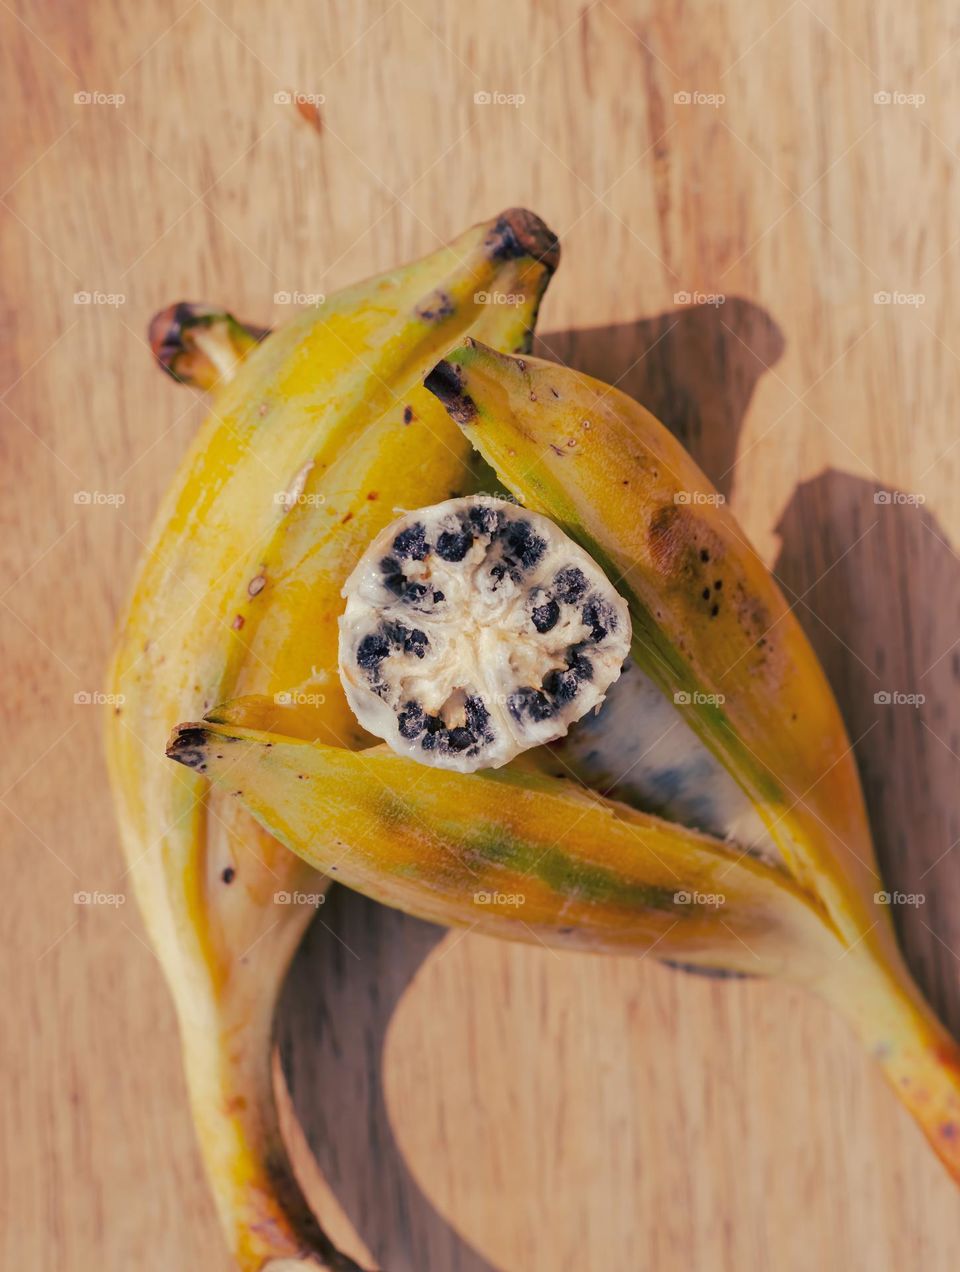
x: 188, y: 746
x: 520, y: 232
x: 445, y: 382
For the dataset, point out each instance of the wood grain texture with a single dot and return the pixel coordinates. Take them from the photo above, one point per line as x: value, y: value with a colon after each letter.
x: 477, y: 1107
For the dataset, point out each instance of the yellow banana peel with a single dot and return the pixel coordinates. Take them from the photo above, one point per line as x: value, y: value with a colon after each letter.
x: 317, y: 433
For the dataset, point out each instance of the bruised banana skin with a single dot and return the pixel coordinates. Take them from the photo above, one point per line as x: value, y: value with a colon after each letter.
x: 248, y: 556
x: 570, y: 868
x: 714, y: 633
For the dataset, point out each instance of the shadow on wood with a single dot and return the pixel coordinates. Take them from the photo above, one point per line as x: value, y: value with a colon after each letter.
x: 876, y: 586
x: 696, y: 369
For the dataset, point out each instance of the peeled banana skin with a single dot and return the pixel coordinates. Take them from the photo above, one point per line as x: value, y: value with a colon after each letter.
x: 317, y: 433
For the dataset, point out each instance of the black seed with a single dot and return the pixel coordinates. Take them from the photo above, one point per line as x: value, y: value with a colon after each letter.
x: 718, y: 584
x: 416, y: 642
x: 714, y: 610
x: 371, y: 651
x: 411, y: 542
x: 478, y: 718
x: 485, y: 520
x: 599, y: 617
x: 228, y: 874
x: 545, y: 616
x: 570, y: 584
x: 524, y: 543
x: 393, y: 577
x: 411, y: 721
x: 459, y: 739
x: 705, y: 594
x: 528, y: 701
x: 704, y: 554
x: 454, y: 545
x: 438, y: 596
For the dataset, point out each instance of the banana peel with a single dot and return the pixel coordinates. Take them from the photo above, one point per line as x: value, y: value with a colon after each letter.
x: 316, y: 434
x: 714, y: 633
x: 524, y: 854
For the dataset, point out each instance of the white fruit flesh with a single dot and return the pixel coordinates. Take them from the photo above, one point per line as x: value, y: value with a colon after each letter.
x: 474, y: 630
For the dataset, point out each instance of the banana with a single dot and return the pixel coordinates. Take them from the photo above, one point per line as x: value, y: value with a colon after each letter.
x: 515, y: 853
x: 715, y: 635
x: 316, y: 435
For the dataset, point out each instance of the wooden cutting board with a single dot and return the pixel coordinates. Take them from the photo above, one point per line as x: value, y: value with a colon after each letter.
x: 473, y: 1106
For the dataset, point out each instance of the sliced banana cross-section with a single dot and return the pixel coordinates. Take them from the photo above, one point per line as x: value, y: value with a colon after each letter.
x: 475, y: 629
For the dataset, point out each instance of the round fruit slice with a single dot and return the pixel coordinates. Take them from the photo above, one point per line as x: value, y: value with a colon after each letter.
x: 474, y: 630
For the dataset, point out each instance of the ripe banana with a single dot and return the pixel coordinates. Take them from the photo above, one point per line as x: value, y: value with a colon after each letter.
x: 317, y: 434
x: 525, y: 854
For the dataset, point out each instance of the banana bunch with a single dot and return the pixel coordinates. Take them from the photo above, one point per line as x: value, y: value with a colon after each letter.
x: 317, y: 433
x: 710, y: 812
